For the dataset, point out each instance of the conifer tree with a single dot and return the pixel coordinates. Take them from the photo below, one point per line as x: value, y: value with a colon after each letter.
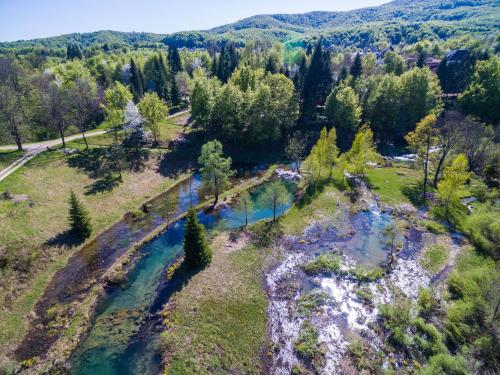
x: 174, y: 59
x: 79, y: 219
x: 317, y: 81
x: 174, y: 93
x: 197, y: 253
x: 357, y: 67
x: 136, y: 81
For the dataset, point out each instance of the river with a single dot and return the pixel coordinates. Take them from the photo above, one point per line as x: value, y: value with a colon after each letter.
x: 122, y: 339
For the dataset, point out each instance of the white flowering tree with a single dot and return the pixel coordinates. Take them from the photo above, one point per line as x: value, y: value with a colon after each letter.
x: 135, y: 134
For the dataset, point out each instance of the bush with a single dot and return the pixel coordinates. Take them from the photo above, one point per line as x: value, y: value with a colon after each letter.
x: 428, y: 339
x: 312, y: 302
x: 307, y: 346
x: 396, y: 319
x: 483, y: 227
x: 445, y: 364
x: 434, y: 227
x: 368, y: 274
x: 427, y: 302
x: 434, y: 258
x: 323, y: 264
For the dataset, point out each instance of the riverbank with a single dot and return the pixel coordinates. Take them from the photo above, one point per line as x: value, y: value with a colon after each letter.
x: 80, y: 312
x: 317, y: 323
x: 35, y: 244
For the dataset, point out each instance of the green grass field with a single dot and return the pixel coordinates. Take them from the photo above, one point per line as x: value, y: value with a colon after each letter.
x: 218, y: 322
x: 394, y: 185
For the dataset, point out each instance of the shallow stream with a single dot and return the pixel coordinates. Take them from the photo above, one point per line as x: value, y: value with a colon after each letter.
x: 122, y: 337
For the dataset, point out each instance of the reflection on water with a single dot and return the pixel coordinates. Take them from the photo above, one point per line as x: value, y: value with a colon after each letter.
x: 112, y: 345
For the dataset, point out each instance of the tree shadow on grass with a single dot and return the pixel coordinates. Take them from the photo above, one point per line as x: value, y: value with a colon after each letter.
x: 65, y: 239
x: 413, y: 193
x: 91, y: 162
x: 180, y: 156
x: 107, y: 183
x: 312, y: 190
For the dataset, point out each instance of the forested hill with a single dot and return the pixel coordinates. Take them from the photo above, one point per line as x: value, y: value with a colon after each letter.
x: 400, y: 20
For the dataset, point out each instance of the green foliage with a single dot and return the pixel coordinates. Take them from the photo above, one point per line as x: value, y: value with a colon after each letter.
x: 368, y: 274
x: 482, y: 96
x: 115, y: 100
x: 427, y: 338
x: 153, y: 110
x: 435, y: 258
x: 451, y: 188
x: 427, y: 302
x: 343, y: 109
x: 362, y: 151
x: 473, y: 299
x: 275, y: 195
x: 445, y: 364
x: 323, y: 264
x: 307, y: 347
x: 79, y: 219
x: 197, y: 253
x: 312, y: 302
x: 434, y: 227
x: 396, y: 319
x: 483, y: 226
x: 215, y: 168
x: 393, y: 63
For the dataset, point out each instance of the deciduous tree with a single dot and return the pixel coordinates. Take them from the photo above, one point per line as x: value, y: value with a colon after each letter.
x: 153, y: 110
x: 215, y: 168
x: 421, y: 141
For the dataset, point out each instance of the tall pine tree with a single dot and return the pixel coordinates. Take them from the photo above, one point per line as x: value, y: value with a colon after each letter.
x: 317, y: 81
x: 79, y: 219
x: 136, y: 81
x: 197, y: 253
x: 356, y: 67
x: 174, y: 59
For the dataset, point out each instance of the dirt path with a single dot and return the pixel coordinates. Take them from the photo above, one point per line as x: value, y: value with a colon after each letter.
x: 36, y: 148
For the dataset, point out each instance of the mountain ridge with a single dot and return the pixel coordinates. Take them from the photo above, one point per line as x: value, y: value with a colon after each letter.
x: 413, y: 20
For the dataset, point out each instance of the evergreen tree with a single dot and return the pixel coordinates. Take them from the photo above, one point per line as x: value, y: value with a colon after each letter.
x: 159, y: 79
x: 357, y: 67
x: 136, y: 81
x: 79, y: 219
x: 174, y: 93
x: 174, y: 59
x: 197, y: 253
x: 227, y: 62
x: 317, y: 81
x: 343, y: 75
x: 73, y: 51
x: 421, y: 60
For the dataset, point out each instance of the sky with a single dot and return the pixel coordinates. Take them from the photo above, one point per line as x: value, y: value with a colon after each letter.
x: 28, y: 19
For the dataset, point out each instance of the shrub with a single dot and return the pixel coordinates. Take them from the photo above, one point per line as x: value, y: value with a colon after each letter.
x: 434, y: 227
x: 428, y: 339
x: 312, y: 302
x: 307, y: 346
x: 323, y: 264
x: 483, y: 227
x: 396, y: 319
x: 434, y: 258
x: 445, y: 364
x: 368, y: 274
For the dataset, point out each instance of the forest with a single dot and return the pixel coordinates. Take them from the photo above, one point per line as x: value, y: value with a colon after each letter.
x: 289, y: 194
